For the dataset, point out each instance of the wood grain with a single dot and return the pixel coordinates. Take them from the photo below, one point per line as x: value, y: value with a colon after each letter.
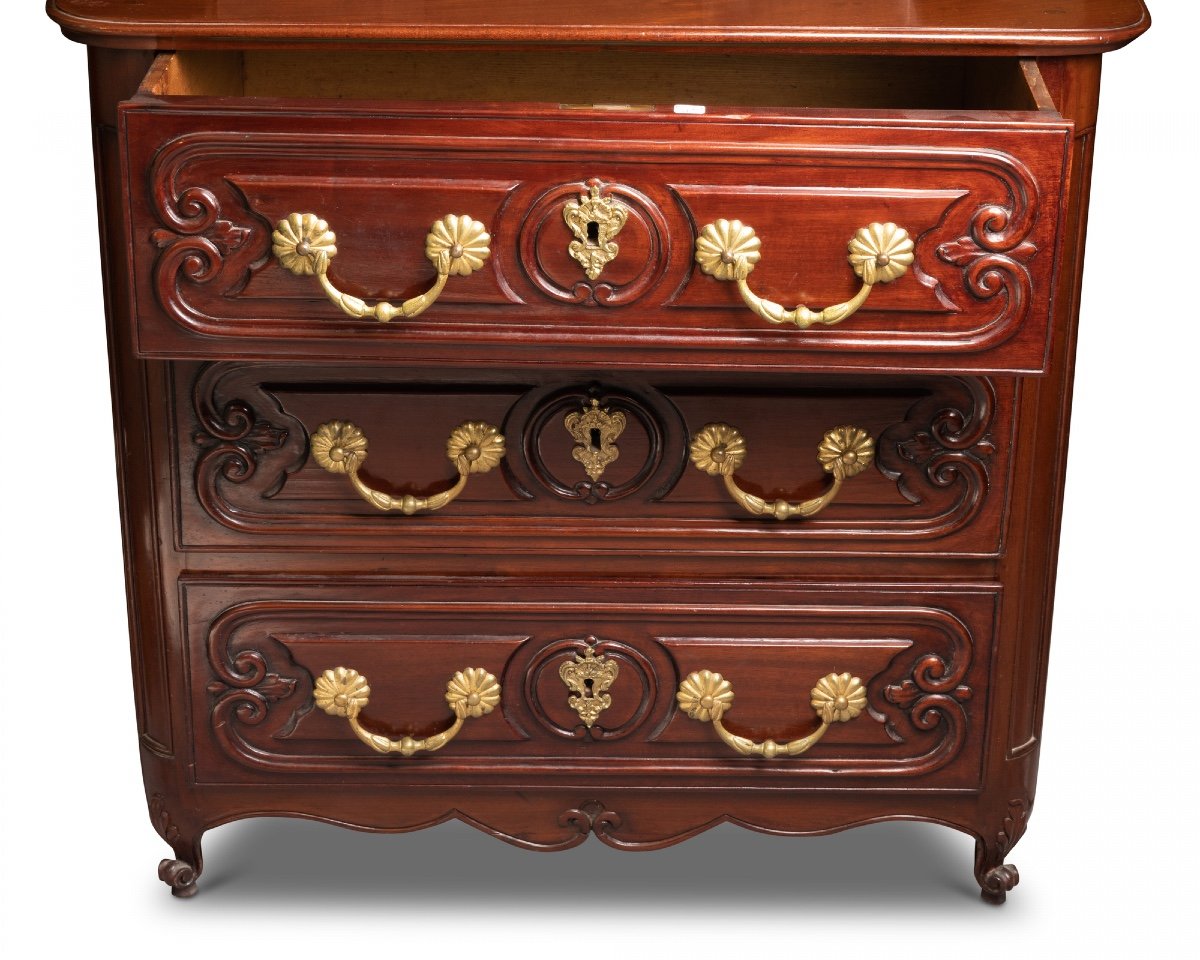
x: 249, y: 571
x: 1022, y: 27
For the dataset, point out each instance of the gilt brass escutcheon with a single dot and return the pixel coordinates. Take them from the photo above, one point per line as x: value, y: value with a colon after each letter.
x: 589, y: 678
x: 595, y: 431
x: 595, y: 221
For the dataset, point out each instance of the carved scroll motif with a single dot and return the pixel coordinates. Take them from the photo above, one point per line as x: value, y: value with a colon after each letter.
x: 195, y: 240
x: 246, y: 440
x: 995, y: 253
x: 943, y: 448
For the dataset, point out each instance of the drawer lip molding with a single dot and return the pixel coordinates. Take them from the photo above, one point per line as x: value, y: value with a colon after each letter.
x: 981, y: 193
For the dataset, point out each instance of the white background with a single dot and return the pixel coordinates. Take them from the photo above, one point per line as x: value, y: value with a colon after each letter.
x: 1109, y: 855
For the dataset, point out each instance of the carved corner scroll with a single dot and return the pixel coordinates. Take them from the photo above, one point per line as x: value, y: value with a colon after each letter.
x: 248, y: 445
x: 943, y: 450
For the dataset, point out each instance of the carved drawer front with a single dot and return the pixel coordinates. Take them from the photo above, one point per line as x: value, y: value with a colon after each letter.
x: 415, y: 681
x: 489, y: 232
x: 362, y: 460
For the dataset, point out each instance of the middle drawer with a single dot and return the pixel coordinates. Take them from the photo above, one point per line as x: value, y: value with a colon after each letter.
x: 305, y: 458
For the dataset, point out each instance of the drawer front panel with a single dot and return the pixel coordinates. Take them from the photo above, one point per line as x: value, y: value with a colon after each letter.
x: 245, y: 479
x: 257, y: 655
x: 981, y: 199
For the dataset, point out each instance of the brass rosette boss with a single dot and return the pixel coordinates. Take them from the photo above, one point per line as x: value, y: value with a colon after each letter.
x: 720, y: 450
x: 344, y: 692
x: 707, y: 696
x: 456, y: 245
x: 341, y: 448
x: 878, y: 253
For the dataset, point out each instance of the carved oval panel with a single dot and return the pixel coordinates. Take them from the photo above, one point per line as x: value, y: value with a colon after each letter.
x: 555, y: 456
x: 554, y: 249
x: 641, y: 677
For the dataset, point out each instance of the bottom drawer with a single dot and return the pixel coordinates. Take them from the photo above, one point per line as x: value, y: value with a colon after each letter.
x: 587, y: 681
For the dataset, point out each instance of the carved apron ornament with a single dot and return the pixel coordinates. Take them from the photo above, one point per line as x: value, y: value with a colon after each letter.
x: 589, y: 677
x: 595, y: 432
x: 595, y: 221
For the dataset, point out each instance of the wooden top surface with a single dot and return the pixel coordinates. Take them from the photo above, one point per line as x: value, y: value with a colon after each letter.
x: 1011, y: 27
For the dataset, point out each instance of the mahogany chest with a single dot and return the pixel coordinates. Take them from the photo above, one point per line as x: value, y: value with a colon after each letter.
x: 592, y: 421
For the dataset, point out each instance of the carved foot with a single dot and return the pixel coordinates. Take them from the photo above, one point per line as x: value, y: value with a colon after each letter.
x: 181, y: 873
x: 995, y: 883
x: 995, y: 876
x: 181, y: 877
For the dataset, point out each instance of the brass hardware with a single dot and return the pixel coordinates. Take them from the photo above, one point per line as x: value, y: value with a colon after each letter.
x: 343, y: 692
x: 719, y: 450
x: 878, y: 253
x: 340, y: 447
x: 590, y: 677
x: 595, y: 432
x: 707, y: 697
x: 456, y: 246
x: 594, y: 220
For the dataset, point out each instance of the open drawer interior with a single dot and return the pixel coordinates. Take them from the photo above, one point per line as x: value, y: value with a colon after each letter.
x: 619, y: 78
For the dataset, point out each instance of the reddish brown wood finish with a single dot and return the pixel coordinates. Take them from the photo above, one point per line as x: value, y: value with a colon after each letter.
x: 248, y: 571
x: 245, y: 480
x: 1015, y: 26
x: 984, y: 218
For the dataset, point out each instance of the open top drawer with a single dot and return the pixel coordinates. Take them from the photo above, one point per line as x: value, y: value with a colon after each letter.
x: 586, y: 217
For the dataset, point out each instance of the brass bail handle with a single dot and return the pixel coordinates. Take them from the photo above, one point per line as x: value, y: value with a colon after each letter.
x: 707, y: 696
x: 344, y: 692
x: 456, y: 246
x: 341, y: 448
x: 878, y: 253
x: 720, y: 450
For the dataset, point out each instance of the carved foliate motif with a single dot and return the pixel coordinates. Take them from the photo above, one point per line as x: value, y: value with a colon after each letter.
x: 595, y: 431
x: 589, y: 678
x: 995, y: 876
x: 944, y: 442
x: 160, y: 816
x: 994, y: 256
x: 245, y: 440
x: 196, y: 240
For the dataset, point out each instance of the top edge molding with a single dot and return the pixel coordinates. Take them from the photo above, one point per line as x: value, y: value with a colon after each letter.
x: 952, y: 27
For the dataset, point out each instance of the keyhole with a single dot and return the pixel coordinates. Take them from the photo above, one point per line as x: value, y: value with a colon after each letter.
x: 595, y: 446
x: 587, y: 683
x: 593, y: 232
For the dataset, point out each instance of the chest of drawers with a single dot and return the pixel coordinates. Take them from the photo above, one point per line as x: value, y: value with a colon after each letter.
x: 473, y: 455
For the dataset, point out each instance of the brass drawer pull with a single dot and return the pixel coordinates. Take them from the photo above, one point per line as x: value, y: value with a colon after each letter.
x: 719, y: 450
x: 340, y: 447
x: 706, y: 696
x: 343, y: 692
x: 879, y: 253
x: 456, y: 245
